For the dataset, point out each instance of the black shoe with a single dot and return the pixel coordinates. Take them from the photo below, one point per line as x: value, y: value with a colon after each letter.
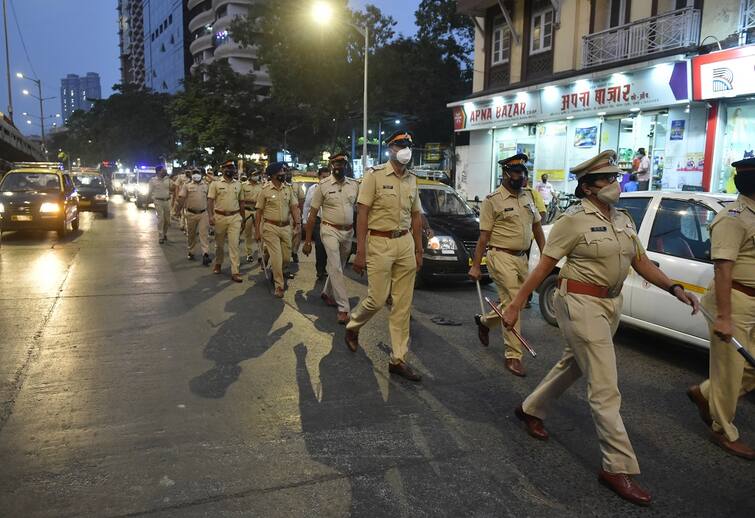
x: 206, y: 260
x: 249, y: 259
x: 190, y: 256
x: 161, y: 240
x: 295, y: 258
x: 403, y: 370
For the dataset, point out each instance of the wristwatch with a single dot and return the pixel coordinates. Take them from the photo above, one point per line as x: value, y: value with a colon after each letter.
x: 673, y: 287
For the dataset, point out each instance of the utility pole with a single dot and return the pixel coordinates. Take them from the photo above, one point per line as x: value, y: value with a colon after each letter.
x: 7, y: 61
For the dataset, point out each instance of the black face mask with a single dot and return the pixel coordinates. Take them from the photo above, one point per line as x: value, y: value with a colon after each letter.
x: 289, y: 178
x: 745, y: 183
x: 516, y: 184
x: 228, y: 174
x: 280, y: 177
x: 339, y: 172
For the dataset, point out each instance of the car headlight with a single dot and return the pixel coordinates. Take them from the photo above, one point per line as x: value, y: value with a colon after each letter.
x: 49, y: 208
x: 100, y: 197
x: 442, y: 244
x: 143, y: 190
x: 116, y: 184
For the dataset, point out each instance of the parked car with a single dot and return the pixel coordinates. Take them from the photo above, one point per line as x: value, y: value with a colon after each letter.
x: 38, y: 196
x: 674, y: 229
x: 93, y: 194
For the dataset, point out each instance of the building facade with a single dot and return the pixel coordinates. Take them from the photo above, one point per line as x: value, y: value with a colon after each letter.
x: 166, y: 57
x: 565, y: 79
x: 131, y: 41
x: 78, y: 93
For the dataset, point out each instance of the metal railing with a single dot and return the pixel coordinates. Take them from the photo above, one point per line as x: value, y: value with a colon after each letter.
x: 673, y: 30
x: 746, y: 15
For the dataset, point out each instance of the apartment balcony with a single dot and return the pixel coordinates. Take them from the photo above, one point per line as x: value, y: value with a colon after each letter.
x: 202, y: 19
x: 474, y: 7
x: 231, y: 49
x: 674, y: 30
x: 200, y: 44
x: 746, y: 15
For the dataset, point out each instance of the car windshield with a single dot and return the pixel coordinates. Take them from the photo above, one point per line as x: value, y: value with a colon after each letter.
x: 23, y: 182
x: 146, y: 177
x: 443, y: 202
x: 88, y: 181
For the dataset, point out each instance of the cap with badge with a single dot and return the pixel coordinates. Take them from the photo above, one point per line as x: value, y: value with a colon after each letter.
x: 400, y: 138
x: 339, y: 157
x: 275, y: 168
x: 603, y: 163
x: 517, y: 162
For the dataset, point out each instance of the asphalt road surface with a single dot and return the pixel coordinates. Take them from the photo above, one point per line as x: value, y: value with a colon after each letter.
x: 134, y: 382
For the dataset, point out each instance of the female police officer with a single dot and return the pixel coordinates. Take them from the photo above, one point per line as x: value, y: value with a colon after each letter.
x: 600, y: 244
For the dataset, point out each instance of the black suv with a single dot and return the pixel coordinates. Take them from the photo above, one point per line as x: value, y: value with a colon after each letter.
x: 93, y: 194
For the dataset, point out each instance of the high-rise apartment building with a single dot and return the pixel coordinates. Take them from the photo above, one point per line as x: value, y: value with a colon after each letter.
x: 166, y: 56
x: 131, y: 32
x: 78, y: 93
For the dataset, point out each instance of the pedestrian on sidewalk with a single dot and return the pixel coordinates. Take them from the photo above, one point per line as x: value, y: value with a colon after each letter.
x: 600, y: 244
x: 159, y: 189
x: 731, y: 299
x: 389, y: 247
x: 334, y: 198
x: 277, y: 205
x: 226, y: 207
x: 320, y: 254
x: 509, y: 221
x: 250, y: 190
x: 193, y: 199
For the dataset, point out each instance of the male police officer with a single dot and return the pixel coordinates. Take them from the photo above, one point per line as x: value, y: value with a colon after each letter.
x: 389, y: 207
x: 508, y: 221
x: 193, y: 199
x: 731, y: 299
x: 321, y: 257
x: 159, y: 192
x: 250, y: 189
x: 226, y: 206
x: 276, y: 206
x: 335, y: 196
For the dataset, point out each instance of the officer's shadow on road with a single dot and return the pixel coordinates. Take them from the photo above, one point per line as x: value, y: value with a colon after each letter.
x: 239, y: 338
x: 311, y: 304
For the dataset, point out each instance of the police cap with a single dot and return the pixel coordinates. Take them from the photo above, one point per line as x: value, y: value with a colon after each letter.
x: 339, y: 157
x: 401, y: 138
x: 744, y: 166
x: 604, y: 163
x: 275, y: 168
x: 515, y: 163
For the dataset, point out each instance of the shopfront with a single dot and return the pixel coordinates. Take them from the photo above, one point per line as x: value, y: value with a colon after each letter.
x: 726, y: 80
x: 565, y: 123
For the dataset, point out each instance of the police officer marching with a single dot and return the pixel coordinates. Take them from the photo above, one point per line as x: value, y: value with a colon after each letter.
x: 731, y: 301
x: 321, y: 257
x: 193, y: 199
x: 159, y: 192
x: 335, y: 196
x: 277, y: 205
x: 226, y: 207
x: 250, y: 189
x: 389, y: 245
x: 509, y: 219
x: 600, y: 244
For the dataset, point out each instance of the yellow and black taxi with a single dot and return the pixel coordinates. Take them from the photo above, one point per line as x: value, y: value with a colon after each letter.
x: 93, y: 193
x: 38, y: 196
x: 453, y: 232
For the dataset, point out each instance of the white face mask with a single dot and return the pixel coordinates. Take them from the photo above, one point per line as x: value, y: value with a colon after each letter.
x: 196, y: 177
x: 404, y: 155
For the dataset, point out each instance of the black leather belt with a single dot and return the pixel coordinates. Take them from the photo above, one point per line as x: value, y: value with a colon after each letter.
x: 517, y: 253
x: 197, y: 211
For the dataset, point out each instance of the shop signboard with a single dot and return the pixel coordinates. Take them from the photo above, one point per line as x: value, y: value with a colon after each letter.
x: 727, y: 73
x: 659, y: 86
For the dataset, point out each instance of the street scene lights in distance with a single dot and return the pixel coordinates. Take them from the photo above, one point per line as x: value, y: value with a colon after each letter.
x: 25, y: 91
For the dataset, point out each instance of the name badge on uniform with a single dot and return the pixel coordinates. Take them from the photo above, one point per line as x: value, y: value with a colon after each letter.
x: 598, y: 229
x: 508, y: 209
x: 387, y: 187
x: 331, y: 192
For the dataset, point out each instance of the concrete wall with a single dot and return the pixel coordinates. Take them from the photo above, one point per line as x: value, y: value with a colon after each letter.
x: 720, y: 19
x: 574, y: 23
x: 644, y: 8
x: 478, y: 75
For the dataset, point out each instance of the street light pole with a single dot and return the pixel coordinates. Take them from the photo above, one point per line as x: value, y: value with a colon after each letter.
x: 366, y: 32
x: 7, y: 62
x: 42, y: 117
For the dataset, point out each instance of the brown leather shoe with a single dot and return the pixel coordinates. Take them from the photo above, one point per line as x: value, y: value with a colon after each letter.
x: 535, y: 426
x: 216, y: 268
x: 343, y: 318
x: 352, y: 340
x: 279, y: 293
x: 403, y: 370
x: 330, y: 301
x: 236, y: 278
x: 696, y: 396
x: 483, y: 332
x: 514, y: 365
x: 624, y: 486
x: 736, y: 448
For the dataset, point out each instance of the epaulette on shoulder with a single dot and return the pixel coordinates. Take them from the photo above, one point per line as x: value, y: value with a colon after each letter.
x: 734, y: 210
x: 574, y: 209
x: 494, y: 193
x: 627, y: 214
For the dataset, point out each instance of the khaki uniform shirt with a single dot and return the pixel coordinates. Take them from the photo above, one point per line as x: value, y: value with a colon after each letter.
x: 226, y: 194
x: 391, y: 199
x: 509, y: 218
x: 195, y: 195
x: 336, y: 200
x: 159, y: 188
x: 276, y: 203
x: 733, y: 239
x: 598, y: 250
x: 250, y: 191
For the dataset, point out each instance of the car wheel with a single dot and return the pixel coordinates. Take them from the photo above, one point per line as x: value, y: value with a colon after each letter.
x: 105, y: 213
x: 75, y: 223
x: 546, y: 295
x: 62, y: 229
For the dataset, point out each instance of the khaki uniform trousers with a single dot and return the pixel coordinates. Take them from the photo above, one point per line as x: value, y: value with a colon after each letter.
x: 295, y: 241
x: 198, y: 223
x: 249, y: 243
x: 227, y: 228
x: 730, y: 375
x: 162, y: 208
x: 278, y: 244
x: 391, y: 269
x: 508, y: 272
x: 337, y: 245
x: 588, y: 324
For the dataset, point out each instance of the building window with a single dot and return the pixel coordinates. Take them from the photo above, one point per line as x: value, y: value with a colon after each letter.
x: 170, y: 20
x: 541, y: 34
x: 501, y: 45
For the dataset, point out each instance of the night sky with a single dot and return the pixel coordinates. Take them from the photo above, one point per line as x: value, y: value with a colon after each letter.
x: 80, y: 36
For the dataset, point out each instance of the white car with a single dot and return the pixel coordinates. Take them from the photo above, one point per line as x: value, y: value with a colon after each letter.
x: 674, y: 228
